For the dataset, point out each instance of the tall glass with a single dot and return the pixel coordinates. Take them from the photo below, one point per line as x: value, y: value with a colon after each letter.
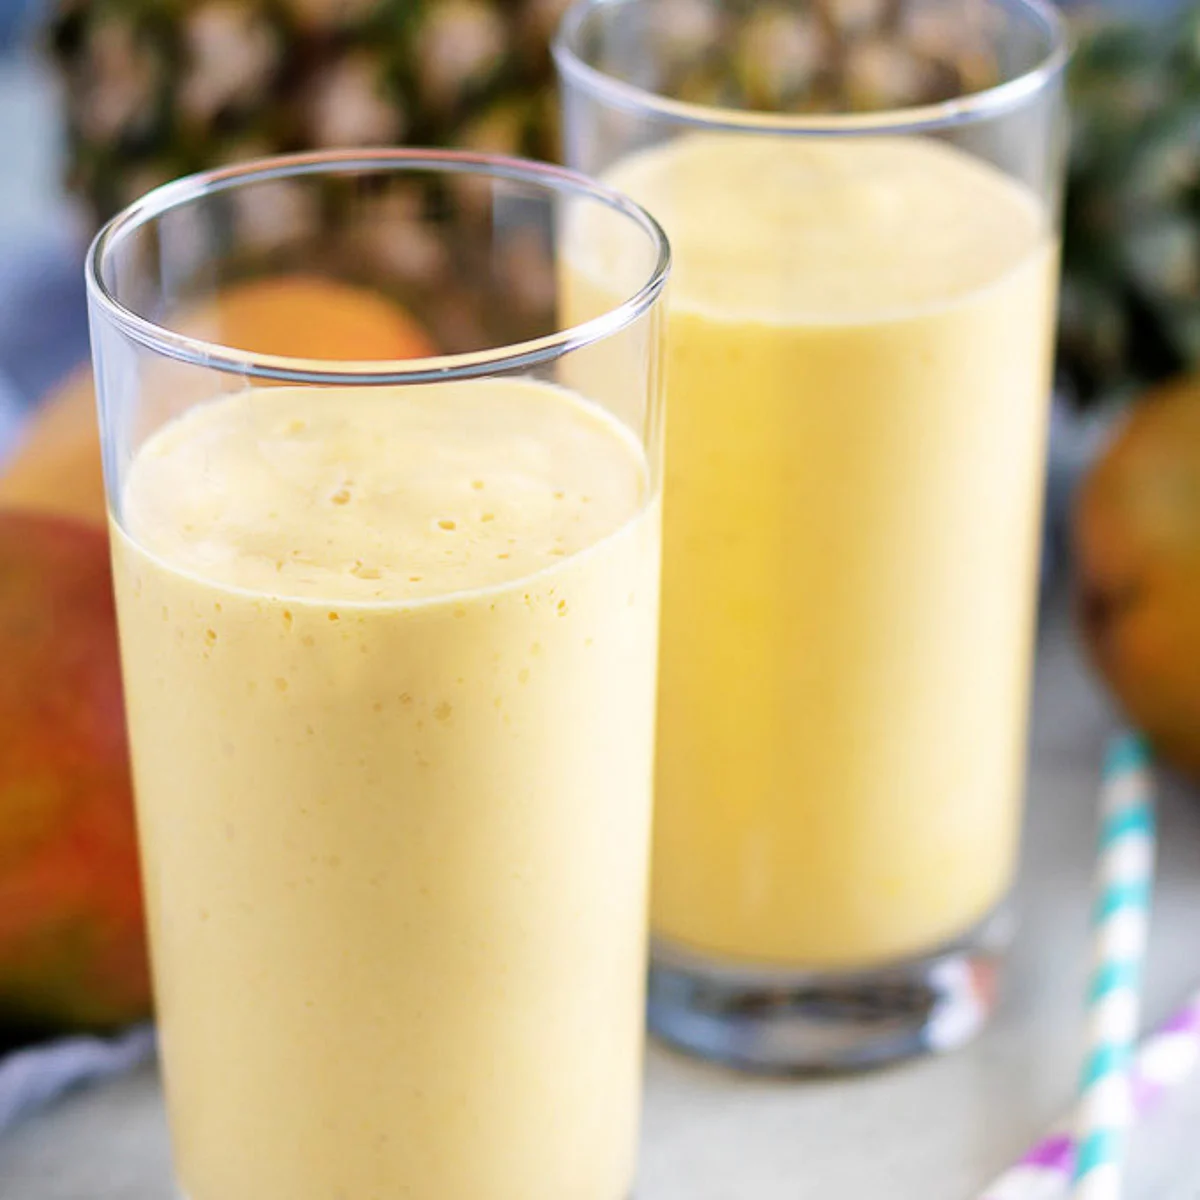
x: 389, y: 642
x: 859, y: 365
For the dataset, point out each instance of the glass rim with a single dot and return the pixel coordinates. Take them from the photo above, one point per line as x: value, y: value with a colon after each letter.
x: 440, y: 368
x: 993, y: 101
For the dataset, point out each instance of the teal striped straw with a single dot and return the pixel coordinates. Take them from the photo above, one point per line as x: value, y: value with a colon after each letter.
x: 1120, y: 924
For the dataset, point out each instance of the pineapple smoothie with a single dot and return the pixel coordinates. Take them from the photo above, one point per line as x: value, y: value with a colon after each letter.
x: 859, y: 356
x: 390, y: 660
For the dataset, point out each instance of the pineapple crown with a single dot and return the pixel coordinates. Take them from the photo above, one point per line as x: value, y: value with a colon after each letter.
x: 1131, y: 288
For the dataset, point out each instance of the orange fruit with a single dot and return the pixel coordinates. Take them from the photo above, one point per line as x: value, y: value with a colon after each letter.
x: 305, y: 316
x: 1137, y: 558
x: 57, y: 467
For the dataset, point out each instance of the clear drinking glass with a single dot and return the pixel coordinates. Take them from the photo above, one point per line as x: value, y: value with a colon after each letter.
x: 389, y: 643
x: 863, y: 205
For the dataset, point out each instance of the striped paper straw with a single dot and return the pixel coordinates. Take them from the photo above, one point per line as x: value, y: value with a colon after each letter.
x: 1120, y: 924
x: 1163, y: 1062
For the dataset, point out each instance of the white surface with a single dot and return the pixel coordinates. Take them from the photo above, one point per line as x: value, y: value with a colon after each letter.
x: 934, y: 1130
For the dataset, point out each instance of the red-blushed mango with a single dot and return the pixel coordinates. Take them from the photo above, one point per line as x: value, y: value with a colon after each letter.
x: 72, y: 941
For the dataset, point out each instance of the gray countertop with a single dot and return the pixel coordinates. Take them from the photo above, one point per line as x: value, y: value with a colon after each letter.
x: 935, y: 1130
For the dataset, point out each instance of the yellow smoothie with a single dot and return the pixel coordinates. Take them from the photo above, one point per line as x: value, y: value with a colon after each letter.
x: 859, y: 357
x: 389, y: 659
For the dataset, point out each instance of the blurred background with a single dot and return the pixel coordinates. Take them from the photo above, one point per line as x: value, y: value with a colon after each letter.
x: 101, y: 99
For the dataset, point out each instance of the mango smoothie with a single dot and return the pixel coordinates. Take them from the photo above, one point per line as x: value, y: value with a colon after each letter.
x: 390, y: 661
x: 859, y: 356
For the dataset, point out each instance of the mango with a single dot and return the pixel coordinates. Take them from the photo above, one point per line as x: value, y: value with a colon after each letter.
x: 1137, y: 552
x: 72, y: 947
x: 57, y: 468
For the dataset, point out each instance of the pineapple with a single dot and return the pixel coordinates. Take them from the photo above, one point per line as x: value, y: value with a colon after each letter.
x: 798, y: 56
x: 158, y: 88
x: 155, y: 90
x: 1131, y: 292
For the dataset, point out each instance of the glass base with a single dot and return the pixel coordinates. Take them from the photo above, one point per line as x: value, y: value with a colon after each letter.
x: 777, y: 1021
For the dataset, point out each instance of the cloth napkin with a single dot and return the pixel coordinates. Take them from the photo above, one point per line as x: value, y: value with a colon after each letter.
x: 33, y: 1077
